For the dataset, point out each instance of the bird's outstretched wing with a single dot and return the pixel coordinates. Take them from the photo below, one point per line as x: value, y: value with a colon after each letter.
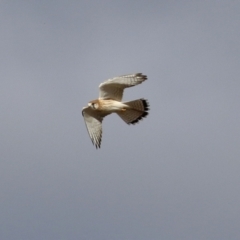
x: 113, y: 88
x: 93, y: 122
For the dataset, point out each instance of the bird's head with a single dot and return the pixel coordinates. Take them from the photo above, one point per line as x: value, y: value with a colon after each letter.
x: 93, y: 105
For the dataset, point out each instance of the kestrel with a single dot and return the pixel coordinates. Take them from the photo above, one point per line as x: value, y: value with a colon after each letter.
x: 110, y: 101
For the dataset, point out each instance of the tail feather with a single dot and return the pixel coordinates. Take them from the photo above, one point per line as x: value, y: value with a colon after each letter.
x: 137, y: 111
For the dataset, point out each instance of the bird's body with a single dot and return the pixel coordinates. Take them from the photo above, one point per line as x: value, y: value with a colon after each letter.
x: 110, y: 101
x: 108, y: 105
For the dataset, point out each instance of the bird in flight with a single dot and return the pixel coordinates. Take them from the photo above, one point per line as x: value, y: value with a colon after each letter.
x: 110, y: 101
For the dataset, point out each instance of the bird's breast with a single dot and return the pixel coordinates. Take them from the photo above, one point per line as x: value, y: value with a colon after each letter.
x: 110, y: 105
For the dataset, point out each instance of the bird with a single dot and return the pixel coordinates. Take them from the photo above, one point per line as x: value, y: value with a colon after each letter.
x: 110, y: 101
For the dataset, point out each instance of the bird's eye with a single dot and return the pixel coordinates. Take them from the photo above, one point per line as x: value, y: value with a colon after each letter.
x: 95, y: 105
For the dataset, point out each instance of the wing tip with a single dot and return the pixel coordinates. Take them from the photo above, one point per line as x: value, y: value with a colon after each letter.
x: 97, y: 145
x: 97, y: 142
x: 142, y: 76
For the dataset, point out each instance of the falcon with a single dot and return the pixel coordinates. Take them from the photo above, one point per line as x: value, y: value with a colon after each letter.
x: 110, y: 101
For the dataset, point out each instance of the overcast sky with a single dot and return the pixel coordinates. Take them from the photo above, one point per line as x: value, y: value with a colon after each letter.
x: 175, y: 175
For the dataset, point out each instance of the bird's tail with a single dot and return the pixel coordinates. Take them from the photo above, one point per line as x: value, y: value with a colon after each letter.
x: 137, y: 111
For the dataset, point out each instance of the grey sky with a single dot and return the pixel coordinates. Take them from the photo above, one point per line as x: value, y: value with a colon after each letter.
x: 173, y: 176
